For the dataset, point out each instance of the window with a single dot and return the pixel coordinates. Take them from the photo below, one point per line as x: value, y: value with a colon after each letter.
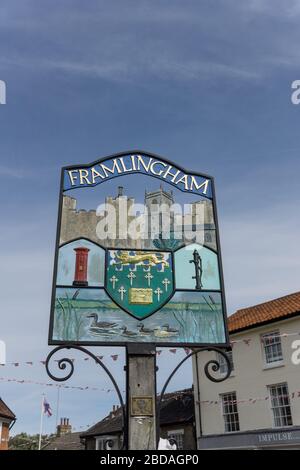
x: 207, y: 237
x: 280, y: 405
x: 230, y: 412
x: 223, y: 363
x: 178, y: 436
x: 272, y: 347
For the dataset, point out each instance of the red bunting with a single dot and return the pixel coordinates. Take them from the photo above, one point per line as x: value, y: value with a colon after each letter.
x: 115, y: 357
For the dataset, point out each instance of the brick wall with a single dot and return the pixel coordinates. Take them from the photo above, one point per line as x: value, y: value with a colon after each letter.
x: 4, y: 436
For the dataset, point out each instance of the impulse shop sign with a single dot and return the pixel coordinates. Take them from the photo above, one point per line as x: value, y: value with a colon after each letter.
x: 159, y: 282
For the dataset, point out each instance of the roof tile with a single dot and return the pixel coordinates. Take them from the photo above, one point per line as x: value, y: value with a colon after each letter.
x: 69, y: 441
x: 5, y: 412
x: 272, y: 310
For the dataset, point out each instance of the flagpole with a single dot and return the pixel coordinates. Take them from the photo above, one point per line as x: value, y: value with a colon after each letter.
x: 57, y: 406
x: 41, y: 422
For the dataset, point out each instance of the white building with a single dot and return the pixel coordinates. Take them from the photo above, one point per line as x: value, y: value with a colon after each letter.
x: 258, y: 406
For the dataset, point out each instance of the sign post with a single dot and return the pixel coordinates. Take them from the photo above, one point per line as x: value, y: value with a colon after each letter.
x: 137, y: 266
x: 141, y: 397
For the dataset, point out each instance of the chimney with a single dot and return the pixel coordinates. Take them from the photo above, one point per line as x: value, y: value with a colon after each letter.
x: 64, y: 427
x: 120, y: 191
x: 112, y: 414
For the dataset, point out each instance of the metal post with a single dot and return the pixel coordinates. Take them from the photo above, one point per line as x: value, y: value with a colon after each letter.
x: 141, y: 396
x: 57, y: 407
x: 41, y: 422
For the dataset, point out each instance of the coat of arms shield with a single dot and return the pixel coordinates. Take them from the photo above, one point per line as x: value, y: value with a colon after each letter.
x: 140, y: 282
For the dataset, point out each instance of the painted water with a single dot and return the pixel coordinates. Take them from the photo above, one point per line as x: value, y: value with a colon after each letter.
x: 90, y: 315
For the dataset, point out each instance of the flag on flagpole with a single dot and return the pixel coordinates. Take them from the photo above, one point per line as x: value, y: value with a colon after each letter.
x: 47, y: 408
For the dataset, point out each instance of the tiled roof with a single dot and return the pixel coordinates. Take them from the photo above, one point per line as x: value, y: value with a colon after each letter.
x: 5, y: 412
x: 111, y: 424
x: 69, y: 441
x: 177, y: 409
x: 273, y: 310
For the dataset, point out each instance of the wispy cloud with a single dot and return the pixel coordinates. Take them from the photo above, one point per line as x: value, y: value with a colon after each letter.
x: 14, y: 172
x: 162, y: 69
x: 142, y: 53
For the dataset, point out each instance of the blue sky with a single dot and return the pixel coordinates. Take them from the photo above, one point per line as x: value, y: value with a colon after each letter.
x: 206, y: 84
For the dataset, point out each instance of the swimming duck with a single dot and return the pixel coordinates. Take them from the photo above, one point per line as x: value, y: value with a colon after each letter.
x: 159, y: 333
x: 99, y: 333
x: 144, y: 331
x: 167, y: 328
x: 100, y: 324
x: 103, y: 331
x: 126, y: 332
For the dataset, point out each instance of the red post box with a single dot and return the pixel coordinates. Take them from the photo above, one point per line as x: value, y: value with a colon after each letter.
x: 81, y: 264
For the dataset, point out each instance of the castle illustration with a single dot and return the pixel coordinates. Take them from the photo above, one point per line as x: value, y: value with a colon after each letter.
x: 83, y: 223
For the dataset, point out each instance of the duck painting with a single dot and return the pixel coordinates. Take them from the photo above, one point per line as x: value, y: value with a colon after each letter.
x: 100, y: 324
x: 103, y: 331
x: 160, y: 333
x: 100, y: 332
x: 126, y: 332
x: 167, y: 328
x: 144, y: 331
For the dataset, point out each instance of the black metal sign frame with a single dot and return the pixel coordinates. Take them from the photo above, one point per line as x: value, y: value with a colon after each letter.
x: 210, y: 367
x: 51, y: 341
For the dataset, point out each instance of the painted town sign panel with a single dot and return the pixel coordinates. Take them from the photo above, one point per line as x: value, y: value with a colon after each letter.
x: 138, y: 262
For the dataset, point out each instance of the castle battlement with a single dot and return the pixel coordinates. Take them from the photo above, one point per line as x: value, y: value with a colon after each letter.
x: 77, y: 223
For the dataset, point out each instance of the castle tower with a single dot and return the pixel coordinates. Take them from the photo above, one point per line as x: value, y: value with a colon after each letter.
x: 159, y: 197
x: 124, y: 210
x: 77, y: 223
x: 201, y: 221
x: 160, y: 218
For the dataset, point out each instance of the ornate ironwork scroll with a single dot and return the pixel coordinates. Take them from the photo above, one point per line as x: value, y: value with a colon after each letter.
x: 67, y: 362
x: 212, y: 364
